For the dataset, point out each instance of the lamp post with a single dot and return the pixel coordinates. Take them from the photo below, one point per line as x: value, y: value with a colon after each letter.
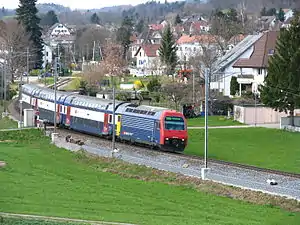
x: 205, y: 169
x: 55, y: 93
x: 114, y: 122
x: 206, y: 116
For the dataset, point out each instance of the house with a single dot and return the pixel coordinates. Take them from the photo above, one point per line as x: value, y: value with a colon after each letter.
x: 48, y: 55
x: 146, y: 37
x: 248, y: 61
x: 197, y: 27
x: 59, y: 29
x: 147, y: 57
x: 235, y: 40
x: 191, y: 45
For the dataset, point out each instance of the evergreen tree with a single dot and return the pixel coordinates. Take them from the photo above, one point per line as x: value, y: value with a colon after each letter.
x: 49, y: 19
x: 234, y: 86
x: 95, y: 19
x: 178, y: 20
x: 280, y: 15
x: 27, y: 16
x: 167, y: 51
x: 124, y: 33
x: 282, y: 84
x: 140, y: 26
x: 263, y: 11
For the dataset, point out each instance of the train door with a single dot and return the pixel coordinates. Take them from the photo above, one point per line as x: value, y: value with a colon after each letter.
x: 105, y: 124
x: 68, y: 116
x: 118, y: 129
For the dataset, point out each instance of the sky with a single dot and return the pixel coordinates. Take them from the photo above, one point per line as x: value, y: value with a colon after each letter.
x: 79, y: 4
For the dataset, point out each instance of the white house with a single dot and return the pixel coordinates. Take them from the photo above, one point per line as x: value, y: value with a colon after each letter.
x: 48, y: 55
x: 59, y: 29
x: 201, y: 26
x: 248, y: 61
x: 191, y: 45
x: 147, y: 58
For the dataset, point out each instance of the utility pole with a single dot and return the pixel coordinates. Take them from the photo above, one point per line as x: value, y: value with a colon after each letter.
x: 193, y: 87
x: 255, y: 113
x: 5, y: 82
x: 206, y: 117
x: 94, y: 51
x: 55, y: 76
x: 27, y: 64
x: 20, y: 101
x: 114, y: 121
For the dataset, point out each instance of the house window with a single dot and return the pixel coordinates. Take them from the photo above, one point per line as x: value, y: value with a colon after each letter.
x: 259, y: 71
x: 140, y: 54
x: 47, y: 53
x: 195, y: 49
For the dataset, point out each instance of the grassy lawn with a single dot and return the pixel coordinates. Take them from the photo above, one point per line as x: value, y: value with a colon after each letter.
x: 47, y: 80
x: 18, y: 221
x: 212, y: 121
x: 44, y: 180
x: 73, y: 85
x: 263, y: 147
x: 7, y: 123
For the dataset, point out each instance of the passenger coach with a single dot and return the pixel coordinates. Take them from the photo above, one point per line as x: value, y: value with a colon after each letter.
x: 152, y: 126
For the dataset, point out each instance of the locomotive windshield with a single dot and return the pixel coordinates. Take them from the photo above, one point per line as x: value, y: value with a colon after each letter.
x: 174, y: 123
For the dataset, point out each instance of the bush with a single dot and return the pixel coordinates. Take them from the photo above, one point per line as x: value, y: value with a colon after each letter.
x: 35, y: 72
x: 234, y: 86
x: 154, y: 85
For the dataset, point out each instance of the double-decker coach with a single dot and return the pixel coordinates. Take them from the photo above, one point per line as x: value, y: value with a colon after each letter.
x: 153, y: 126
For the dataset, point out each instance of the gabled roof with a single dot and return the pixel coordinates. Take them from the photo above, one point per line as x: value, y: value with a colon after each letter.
x: 156, y: 26
x: 203, y: 38
x: 263, y: 49
x: 236, y: 52
x: 149, y: 49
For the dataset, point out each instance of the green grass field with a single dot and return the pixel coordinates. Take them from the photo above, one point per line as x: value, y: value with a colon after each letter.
x: 263, y: 147
x: 19, y: 221
x: 73, y: 85
x: 44, y: 180
x: 212, y: 121
x: 7, y: 123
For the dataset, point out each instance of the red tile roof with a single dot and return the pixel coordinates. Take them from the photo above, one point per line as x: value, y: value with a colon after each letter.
x: 203, y: 38
x: 198, y: 24
x: 260, y: 56
x: 149, y: 49
x: 156, y: 26
x: 237, y: 39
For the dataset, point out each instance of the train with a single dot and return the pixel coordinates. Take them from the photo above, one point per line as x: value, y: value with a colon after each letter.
x: 154, y: 127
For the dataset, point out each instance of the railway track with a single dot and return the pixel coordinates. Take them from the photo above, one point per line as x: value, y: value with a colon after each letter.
x: 14, y: 109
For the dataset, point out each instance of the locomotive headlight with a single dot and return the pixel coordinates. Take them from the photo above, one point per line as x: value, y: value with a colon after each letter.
x: 182, y: 139
x: 167, y: 139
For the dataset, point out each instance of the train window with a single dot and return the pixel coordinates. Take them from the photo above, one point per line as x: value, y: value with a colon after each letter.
x: 136, y: 111
x: 110, y: 118
x: 119, y: 118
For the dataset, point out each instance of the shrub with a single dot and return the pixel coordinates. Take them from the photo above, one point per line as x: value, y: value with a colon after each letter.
x: 154, y: 85
x: 234, y: 86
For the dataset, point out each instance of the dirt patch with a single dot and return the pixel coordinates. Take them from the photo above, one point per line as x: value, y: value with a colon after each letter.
x: 7, y: 141
x: 144, y: 173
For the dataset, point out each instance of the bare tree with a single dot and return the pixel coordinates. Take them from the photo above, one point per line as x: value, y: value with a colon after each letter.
x: 175, y: 92
x: 16, y: 42
x: 155, y: 66
x: 91, y: 39
x: 113, y: 63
